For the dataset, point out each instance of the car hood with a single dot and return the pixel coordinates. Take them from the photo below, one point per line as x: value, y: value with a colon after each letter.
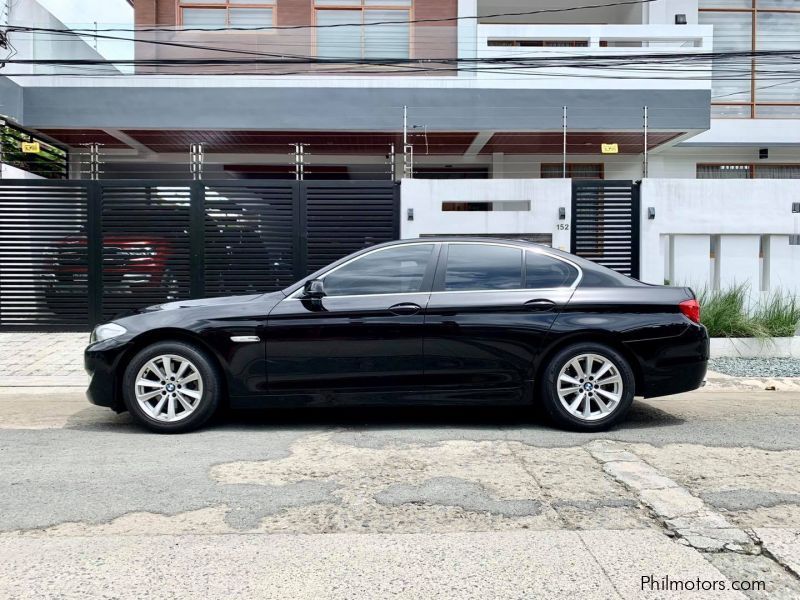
x: 223, y: 300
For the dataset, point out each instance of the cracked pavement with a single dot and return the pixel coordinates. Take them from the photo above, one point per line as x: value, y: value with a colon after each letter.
x: 377, y: 503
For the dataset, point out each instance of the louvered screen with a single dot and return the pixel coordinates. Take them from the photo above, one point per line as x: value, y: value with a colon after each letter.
x: 343, y: 218
x: 249, y: 229
x: 605, y: 224
x: 146, y: 253
x: 43, y: 255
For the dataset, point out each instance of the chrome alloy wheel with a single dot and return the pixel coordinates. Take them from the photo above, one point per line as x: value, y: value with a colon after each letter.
x: 168, y: 388
x: 590, y: 387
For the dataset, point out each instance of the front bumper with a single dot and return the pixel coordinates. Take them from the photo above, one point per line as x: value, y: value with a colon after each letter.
x: 101, y: 361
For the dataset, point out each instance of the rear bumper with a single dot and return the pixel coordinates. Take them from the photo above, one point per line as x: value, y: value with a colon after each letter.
x: 101, y: 361
x: 673, y: 365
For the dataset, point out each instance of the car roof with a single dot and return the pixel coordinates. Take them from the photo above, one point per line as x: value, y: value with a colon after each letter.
x: 491, y: 240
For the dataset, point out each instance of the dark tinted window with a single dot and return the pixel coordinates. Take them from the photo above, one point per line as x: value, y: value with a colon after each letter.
x: 543, y: 271
x: 391, y: 271
x: 483, y: 267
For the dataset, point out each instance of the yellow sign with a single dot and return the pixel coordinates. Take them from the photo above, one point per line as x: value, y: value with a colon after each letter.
x: 31, y: 147
x: 609, y: 148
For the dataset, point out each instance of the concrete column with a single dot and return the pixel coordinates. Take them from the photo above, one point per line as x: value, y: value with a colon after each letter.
x: 467, y: 33
x: 738, y: 262
x: 498, y: 171
x: 690, y: 262
x: 780, y: 270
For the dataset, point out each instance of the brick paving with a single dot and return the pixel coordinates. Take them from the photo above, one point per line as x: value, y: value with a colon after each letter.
x: 42, y: 358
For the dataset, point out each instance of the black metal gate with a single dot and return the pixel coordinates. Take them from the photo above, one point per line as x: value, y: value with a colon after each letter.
x: 76, y: 253
x: 605, y: 223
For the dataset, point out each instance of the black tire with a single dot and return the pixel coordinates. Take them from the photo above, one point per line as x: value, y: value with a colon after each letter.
x: 558, y: 413
x: 211, y: 387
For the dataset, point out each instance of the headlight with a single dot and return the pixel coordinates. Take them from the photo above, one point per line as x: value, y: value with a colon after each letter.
x: 106, y: 331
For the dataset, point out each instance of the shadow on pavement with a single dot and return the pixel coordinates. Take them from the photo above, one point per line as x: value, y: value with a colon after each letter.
x: 374, y: 418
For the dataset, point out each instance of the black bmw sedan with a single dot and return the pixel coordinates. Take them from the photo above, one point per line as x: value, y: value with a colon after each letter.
x: 427, y: 321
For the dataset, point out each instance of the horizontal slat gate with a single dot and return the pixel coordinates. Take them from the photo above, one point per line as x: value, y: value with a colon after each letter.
x: 249, y: 238
x: 145, y: 251
x: 348, y: 217
x: 43, y: 255
x: 76, y: 253
x: 605, y: 224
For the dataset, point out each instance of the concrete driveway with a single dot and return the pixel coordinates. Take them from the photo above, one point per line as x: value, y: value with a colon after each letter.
x: 693, y: 496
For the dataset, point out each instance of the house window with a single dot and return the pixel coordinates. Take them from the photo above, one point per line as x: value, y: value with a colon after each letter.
x: 754, y: 87
x: 748, y: 171
x: 226, y: 14
x: 574, y: 170
x: 355, y: 29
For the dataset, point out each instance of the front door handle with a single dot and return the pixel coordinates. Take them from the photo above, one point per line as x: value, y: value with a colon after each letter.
x: 540, y: 304
x: 405, y: 308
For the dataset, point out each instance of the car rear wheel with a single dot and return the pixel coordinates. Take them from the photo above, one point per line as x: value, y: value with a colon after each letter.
x: 587, y: 387
x: 171, y: 387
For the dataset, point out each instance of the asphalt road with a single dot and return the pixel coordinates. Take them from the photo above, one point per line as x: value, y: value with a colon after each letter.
x: 365, y: 503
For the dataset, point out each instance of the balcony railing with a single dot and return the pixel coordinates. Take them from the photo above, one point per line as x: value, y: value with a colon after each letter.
x: 616, y: 53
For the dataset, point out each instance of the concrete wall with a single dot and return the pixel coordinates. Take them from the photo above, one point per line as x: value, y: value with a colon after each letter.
x: 706, y: 233
x: 546, y: 196
x: 714, y: 233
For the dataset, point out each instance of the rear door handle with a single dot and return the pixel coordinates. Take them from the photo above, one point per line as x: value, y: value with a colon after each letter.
x: 540, y: 304
x: 405, y: 308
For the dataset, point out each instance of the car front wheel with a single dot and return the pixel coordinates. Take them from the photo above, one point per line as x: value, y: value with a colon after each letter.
x: 587, y: 387
x: 171, y: 387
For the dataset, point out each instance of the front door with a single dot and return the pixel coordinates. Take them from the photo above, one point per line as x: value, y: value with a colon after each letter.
x: 364, y: 338
x: 490, y: 311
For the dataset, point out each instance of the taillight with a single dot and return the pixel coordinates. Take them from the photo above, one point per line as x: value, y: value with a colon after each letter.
x: 691, y: 308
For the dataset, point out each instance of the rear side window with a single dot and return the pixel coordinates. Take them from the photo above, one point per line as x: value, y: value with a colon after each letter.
x: 390, y: 271
x: 542, y: 271
x: 482, y: 267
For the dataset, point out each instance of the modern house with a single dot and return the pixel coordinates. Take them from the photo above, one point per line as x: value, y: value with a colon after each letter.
x: 502, y: 94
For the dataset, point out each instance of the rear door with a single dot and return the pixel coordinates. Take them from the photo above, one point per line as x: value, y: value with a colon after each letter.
x: 489, y: 313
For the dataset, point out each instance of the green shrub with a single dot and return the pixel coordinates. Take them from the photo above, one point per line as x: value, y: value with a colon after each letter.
x: 725, y: 314
x: 779, y: 315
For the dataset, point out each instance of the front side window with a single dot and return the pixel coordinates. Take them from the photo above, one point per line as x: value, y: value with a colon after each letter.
x: 542, y: 271
x: 226, y: 14
x: 392, y: 271
x: 363, y: 28
x: 482, y: 267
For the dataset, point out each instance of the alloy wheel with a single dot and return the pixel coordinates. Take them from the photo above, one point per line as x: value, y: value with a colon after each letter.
x: 590, y: 387
x: 168, y: 388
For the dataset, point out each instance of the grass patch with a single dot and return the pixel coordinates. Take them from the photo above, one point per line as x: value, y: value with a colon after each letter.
x: 725, y: 314
x: 779, y: 315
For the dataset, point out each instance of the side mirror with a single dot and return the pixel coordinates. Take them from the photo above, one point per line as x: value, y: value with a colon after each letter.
x: 314, y: 289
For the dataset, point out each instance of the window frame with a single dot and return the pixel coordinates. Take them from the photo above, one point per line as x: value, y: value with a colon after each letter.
x: 441, y: 269
x: 570, y: 167
x: 227, y: 6
x: 427, y: 278
x: 752, y: 167
x: 753, y: 104
x: 362, y: 7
